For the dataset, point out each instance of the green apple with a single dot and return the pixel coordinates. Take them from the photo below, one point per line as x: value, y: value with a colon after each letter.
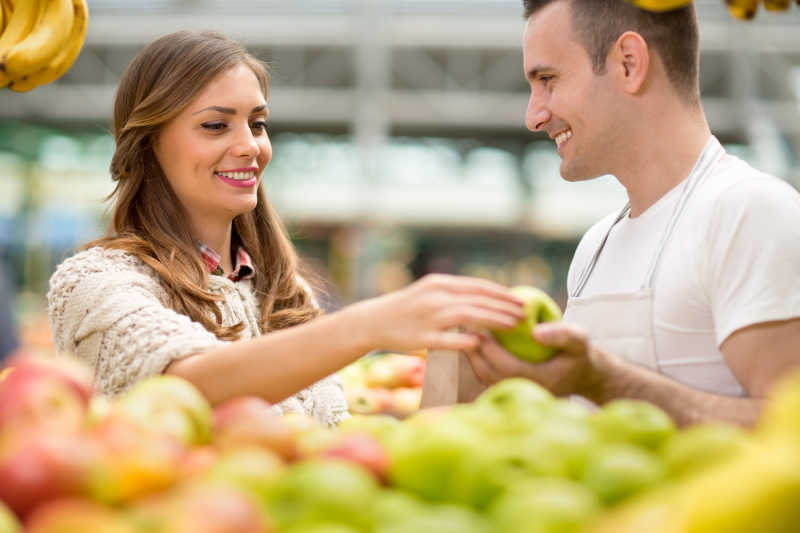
x: 253, y: 470
x: 440, y: 519
x: 633, y: 421
x: 171, y: 405
x: 701, y: 446
x: 323, y: 490
x: 378, y: 425
x: 424, y: 459
x: 323, y: 527
x: 544, y: 505
x: 616, y: 471
x: 539, y: 307
x: 8, y: 522
x: 515, y: 395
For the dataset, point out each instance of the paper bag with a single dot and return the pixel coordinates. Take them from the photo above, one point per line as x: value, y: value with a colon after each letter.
x: 449, y: 379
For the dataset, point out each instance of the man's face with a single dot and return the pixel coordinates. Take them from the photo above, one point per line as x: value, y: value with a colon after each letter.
x: 568, y: 100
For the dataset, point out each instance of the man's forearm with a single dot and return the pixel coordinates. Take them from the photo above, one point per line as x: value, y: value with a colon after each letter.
x: 687, y: 406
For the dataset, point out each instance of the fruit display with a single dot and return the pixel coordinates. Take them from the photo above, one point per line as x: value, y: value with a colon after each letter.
x: 740, y: 9
x: 385, y: 383
x: 159, y: 459
x: 39, y: 40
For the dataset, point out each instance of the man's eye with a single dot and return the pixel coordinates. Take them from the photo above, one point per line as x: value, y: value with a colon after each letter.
x: 213, y: 125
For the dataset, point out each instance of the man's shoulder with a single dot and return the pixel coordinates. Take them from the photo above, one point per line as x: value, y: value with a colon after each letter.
x: 737, y: 185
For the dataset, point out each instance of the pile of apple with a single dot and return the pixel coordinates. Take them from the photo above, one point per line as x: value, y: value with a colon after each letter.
x: 159, y: 459
x: 384, y: 383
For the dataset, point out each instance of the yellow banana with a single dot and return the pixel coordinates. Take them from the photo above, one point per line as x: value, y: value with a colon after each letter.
x: 65, y: 58
x: 742, y: 9
x: 776, y: 5
x: 42, y: 43
x: 2, y: 18
x: 661, y: 5
x: 17, y: 29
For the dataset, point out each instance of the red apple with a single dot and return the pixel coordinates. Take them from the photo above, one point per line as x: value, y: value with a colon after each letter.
x: 366, y: 401
x: 395, y: 370
x: 77, y: 516
x: 404, y: 401
x: 251, y: 421
x: 171, y: 405
x: 204, y: 509
x: 362, y: 449
x: 198, y: 461
x: 37, y: 467
x: 69, y: 369
x: 34, y: 396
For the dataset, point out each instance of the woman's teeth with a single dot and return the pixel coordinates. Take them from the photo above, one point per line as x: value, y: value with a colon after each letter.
x: 238, y: 176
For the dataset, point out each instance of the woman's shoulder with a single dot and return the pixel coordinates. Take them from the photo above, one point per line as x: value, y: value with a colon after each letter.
x: 100, y: 262
x: 102, y: 259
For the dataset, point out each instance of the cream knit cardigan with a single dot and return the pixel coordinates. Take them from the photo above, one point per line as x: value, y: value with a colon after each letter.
x: 110, y: 309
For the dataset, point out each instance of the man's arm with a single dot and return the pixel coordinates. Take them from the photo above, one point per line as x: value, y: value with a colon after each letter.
x: 757, y: 355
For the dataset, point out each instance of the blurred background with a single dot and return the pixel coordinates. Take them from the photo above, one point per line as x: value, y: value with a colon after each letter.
x: 399, y: 142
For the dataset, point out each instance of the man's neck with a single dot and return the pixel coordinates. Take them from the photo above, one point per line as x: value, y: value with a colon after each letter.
x: 667, y: 149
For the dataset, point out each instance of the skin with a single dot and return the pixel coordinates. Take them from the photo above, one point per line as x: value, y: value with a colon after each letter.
x: 632, y: 105
x: 203, y: 141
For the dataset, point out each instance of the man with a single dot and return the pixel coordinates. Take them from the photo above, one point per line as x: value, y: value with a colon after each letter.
x: 690, y: 297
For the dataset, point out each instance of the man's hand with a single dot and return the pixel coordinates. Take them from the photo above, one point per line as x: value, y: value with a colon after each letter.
x: 574, y: 369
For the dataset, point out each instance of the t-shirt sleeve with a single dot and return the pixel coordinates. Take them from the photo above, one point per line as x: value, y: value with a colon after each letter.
x: 753, y: 242
x: 113, y: 319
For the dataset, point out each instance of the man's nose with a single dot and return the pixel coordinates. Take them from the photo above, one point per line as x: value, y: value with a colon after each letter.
x: 537, y: 114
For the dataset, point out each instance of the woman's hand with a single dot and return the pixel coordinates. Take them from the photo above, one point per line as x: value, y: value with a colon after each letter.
x: 438, y: 312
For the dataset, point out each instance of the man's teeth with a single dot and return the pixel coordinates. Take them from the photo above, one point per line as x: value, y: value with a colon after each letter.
x: 562, y: 137
x: 239, y: 176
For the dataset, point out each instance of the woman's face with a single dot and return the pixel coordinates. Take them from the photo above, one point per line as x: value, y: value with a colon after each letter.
x: 214, y: 151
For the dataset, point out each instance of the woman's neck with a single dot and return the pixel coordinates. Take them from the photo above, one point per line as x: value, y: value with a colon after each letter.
x: 218, y: 238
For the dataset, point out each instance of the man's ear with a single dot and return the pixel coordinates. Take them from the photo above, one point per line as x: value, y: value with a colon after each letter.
x: 629, y: 58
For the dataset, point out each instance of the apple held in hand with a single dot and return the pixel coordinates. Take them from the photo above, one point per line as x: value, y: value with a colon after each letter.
x: 539, y: 307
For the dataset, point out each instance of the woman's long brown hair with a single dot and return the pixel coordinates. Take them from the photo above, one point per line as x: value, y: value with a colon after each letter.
x: 148, y: 219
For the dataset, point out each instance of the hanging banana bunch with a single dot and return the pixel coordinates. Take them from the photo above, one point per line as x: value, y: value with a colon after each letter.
x: 740, y: 9
x: 39, y: 40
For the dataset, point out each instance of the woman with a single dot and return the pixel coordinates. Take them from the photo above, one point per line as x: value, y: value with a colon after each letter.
x: 197, y: 277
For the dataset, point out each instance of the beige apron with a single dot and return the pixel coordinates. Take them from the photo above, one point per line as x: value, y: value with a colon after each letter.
x: 622, y: 323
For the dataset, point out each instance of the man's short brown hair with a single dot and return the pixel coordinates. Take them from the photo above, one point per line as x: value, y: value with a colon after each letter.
x: 672, y: 34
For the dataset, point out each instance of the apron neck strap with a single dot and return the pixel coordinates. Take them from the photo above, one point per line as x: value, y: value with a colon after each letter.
x: 711, y: 153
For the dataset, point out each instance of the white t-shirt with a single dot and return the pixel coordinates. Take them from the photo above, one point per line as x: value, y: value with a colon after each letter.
x: 733, y: 260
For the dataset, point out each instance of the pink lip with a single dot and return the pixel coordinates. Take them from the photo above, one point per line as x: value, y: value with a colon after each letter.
x: 237, y: 183
x: 248, y: 169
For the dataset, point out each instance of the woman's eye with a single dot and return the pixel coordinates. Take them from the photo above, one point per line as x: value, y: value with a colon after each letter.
x: 259, y: 125
x: 216, y: 126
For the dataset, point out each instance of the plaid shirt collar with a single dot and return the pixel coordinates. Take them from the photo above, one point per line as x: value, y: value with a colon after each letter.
x: 243, y: 264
